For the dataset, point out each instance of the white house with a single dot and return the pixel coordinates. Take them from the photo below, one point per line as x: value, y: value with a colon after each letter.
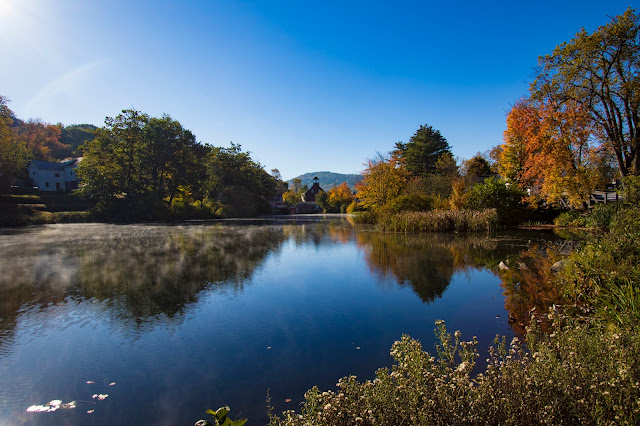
x: 48, y: 176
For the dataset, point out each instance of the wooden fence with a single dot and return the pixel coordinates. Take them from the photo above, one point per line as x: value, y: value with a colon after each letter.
x: 603, y: 197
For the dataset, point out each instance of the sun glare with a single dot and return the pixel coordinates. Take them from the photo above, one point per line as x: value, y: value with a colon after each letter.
x: 6, y: 9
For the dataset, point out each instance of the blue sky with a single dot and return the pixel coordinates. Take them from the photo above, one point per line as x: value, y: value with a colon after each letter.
x: 305, y: 86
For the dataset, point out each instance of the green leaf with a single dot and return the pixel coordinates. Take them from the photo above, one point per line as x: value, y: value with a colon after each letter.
x: 222, y: 412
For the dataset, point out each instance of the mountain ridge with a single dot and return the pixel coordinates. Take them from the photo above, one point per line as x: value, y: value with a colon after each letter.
x: 327, y: 179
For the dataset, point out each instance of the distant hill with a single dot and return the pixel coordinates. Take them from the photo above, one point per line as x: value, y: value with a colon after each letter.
x: 328, y: 179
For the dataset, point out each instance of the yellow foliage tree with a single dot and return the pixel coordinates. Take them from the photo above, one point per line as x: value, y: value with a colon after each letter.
x: 382, y: 181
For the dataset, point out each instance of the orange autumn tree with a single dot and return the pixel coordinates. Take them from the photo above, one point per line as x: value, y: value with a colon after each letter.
x: 382, y: 180
x: 521, y: 121
x: 340, y: 195
x: 549, y: 150
x: 43, y: 140
x: 336, y: 200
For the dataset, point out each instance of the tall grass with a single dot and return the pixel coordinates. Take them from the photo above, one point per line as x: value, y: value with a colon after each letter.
x: 434, y: 220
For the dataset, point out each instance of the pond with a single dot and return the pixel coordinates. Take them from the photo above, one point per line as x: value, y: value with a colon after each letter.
x: 170, y: 320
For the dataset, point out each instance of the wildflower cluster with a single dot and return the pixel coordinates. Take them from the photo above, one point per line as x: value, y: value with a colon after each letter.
x: 583, y: 372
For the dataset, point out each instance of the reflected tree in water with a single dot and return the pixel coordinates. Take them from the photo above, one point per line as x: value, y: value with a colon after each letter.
x: 427, y: 265
x: 529, y: 284
x: 422, y: 263
x: 140, y: 272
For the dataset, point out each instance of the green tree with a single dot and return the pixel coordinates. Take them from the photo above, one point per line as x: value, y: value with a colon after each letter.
x: 297, y: 185
x: 281, y: 185
x: 110, y: 171
x: 495, y: 194
x: 600, y: 72
x: 476, y: 166
x: 423, y: 150
x: 171, y: 158
x: 136, y: 164
x: 75, y: 135
x: 322, y: 200
x: 238, y: 182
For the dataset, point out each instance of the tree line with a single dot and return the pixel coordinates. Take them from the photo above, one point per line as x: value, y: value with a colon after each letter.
x: 576, y: 131
x: 138, y: 167
x: 143, y: 168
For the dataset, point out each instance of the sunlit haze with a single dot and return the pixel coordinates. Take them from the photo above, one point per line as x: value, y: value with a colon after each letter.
x: 304, y: 86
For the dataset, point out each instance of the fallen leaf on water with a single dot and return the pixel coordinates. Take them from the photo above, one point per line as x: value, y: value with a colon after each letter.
x: 51, y: 406
x: 38, y: 409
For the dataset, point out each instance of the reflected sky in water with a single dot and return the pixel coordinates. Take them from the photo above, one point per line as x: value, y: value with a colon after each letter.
x: 189, y: 317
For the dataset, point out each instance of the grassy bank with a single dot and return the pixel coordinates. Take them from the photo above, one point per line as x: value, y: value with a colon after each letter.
x: 585, y: 371
x: 32, y: 209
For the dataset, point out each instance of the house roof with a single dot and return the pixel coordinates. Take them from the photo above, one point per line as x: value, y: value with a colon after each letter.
x: 48, y: 165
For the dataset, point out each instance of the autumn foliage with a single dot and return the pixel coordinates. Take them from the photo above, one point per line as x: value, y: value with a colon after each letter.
x: 382, y: 181
x: 550, y: 150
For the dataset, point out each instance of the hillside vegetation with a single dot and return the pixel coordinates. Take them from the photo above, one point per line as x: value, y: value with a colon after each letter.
x: 328, y: 179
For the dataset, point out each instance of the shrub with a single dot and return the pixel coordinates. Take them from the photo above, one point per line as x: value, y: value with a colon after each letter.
x: 495, y: 194
x: 571, y: 218
x: 597, y: 275
x: 601, y: 216
x: 410, y: 202
x: 580, y: 373
x: 367, y: 217
x: 631, y: 190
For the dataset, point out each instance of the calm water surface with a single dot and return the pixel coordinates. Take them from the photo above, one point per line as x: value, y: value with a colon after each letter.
x: 189, y: 317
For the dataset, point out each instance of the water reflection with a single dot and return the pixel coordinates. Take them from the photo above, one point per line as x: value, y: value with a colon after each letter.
x: 427, y: 265
x: 337, y: 230
x: 529, y: 281
x: 141, y: 272
x: 283, y: 295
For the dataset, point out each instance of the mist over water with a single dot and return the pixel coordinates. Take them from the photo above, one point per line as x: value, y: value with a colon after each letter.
x: 187, y: 317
